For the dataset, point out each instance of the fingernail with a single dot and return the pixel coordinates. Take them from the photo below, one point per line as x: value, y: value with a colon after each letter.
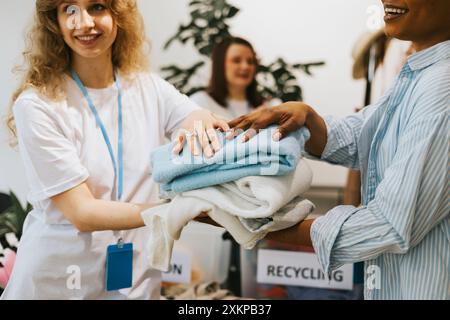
x: 277, y: 136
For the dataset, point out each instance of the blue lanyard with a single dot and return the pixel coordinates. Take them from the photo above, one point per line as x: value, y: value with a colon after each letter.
x: 119, y: 173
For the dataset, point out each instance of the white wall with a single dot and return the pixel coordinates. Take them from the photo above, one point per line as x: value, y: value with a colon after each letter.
x: 297, y: 30
x: 14, y: 18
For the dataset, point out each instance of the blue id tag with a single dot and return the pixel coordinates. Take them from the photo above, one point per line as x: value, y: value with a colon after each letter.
x: 119, y: 266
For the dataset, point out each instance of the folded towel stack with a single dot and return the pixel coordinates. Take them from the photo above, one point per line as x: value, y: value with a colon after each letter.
x: 249, y: 188
x: 248, y: 208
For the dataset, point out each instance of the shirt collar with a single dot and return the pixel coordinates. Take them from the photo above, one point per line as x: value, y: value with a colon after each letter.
x: 429, y: 56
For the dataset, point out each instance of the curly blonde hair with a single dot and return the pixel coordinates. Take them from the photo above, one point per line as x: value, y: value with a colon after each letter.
x: 47, y: 57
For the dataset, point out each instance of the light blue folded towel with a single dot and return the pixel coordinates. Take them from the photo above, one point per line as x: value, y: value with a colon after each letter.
x: 259, y: 156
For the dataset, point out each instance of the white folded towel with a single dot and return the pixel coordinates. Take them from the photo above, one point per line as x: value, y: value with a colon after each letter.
x: 248, y: 209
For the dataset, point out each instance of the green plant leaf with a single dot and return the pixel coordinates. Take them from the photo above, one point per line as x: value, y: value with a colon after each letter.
x: 16, y: 205
x: 194, y: 90
x: 232, y: 12
x: 4, y: 231
x: 12, y: 219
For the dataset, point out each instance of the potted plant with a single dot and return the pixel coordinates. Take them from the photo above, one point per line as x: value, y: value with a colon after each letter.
x: 12, y: 217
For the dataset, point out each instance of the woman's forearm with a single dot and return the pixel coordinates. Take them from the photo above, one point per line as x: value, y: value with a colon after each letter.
x: 89, y: 214
x: 100, y: 215
x: 318, y: 129
x: 297, y: 235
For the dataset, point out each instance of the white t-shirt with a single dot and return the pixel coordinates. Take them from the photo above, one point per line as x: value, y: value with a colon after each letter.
x: 62, y: 147
x: 234, y: 108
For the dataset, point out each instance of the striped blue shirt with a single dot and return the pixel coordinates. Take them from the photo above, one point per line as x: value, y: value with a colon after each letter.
x: 401, y: 147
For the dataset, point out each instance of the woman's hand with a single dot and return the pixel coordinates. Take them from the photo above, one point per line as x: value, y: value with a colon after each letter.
x: 201, y: 125
x: 290, y: 117
x: 297, y: 235
x: 262, y: 106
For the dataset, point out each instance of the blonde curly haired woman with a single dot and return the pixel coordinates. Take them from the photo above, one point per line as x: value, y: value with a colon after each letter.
x: 87, y: 116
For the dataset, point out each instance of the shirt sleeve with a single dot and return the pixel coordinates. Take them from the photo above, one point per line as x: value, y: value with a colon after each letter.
x: 51, y: 160
x: 175, y: 106
x: 342, y: 139
x: 411, y: 199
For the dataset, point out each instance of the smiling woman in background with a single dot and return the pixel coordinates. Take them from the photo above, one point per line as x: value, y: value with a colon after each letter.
x: 232, y: 89
x: 401, y: 146
x: 88, y: 114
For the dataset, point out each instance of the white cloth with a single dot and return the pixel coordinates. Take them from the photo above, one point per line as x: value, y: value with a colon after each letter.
x: 286, y: 217
x: 61, y: 147
x: 250, y: 198
x: 233, y: 110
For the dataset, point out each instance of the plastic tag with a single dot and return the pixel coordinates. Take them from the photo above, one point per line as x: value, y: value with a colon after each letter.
x: 119, y: 266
